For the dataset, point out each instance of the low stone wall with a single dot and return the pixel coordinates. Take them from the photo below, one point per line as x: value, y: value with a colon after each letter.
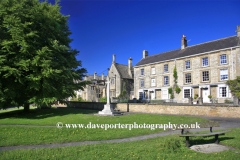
x: 181, y: 109
x: 87, y: 105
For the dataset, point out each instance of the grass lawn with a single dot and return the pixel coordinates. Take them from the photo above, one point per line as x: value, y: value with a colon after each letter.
x: 12, y: 135
x: 168, y: 147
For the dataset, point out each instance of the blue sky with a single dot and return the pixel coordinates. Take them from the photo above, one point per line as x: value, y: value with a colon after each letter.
x: 127, y: 27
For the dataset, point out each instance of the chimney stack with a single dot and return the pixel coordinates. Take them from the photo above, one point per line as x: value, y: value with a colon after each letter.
x: 238, y: 31
x: 113, y: 59
x: 130, y: 63
x: 102, y: 76
x: 145, y: 54
x: 184, y: 42
x: 95, y: 75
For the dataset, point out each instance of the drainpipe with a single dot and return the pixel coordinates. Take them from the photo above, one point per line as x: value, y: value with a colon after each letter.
x: 232, y: 65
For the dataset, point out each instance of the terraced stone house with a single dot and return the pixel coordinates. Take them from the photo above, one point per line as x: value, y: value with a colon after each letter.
x: 202, y: 69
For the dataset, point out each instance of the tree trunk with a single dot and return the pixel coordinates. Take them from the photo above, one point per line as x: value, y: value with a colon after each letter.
x: 26, y: 107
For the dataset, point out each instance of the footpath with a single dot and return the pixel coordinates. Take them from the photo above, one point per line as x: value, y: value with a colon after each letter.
x: 225, y: 123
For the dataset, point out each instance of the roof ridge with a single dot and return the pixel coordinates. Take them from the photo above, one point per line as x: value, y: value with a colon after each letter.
x: 211, y: 41
x: 162, y: 52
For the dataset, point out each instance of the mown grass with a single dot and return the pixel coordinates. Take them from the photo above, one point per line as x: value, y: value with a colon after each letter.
x: 78, y: 116
x: 164, y: 148
x: 15, y: 135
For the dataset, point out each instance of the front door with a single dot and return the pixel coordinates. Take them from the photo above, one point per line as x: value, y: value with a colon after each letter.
x: 205, y: 95
x: 164, y: 93
x: 152, y: 95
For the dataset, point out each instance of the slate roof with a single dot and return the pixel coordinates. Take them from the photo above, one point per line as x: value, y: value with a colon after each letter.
x: 123, y: 71
x: 191, y: 50
x: 90, y: 77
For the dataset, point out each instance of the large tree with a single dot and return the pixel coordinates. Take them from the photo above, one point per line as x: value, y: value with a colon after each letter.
x: 234, y: 86
x: 37, y: 64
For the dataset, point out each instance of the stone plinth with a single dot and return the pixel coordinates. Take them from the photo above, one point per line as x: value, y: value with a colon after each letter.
x: 108, y: 110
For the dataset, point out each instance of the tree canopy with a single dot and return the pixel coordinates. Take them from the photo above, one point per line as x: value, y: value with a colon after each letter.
x: 37, y: 64
x: 234, y: 86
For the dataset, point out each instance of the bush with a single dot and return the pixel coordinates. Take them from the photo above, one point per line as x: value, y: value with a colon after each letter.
x: 210, y: 96
x: 172, y: 96
x: 178, y: 90
x: 195, y: 97
x: 80, y: 99
x: 170, y: 90
x: 103, y: 99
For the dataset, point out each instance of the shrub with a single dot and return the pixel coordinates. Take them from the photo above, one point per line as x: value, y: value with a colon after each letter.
x: 178, y: 90
x: 80, y: 99
x: 195, y: 97
x: 103, y: 99
x: 172, y: 96
x: 170, y: 90
x: 210, y: 96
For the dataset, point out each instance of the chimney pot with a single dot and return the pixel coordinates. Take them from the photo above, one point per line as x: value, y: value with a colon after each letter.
x: 95, y: 75
x: 238, y: 30
x: 102, y: 76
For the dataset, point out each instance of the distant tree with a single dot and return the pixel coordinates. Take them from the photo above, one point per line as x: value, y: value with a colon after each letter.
x: 234, y: 86
x: 37, y: 64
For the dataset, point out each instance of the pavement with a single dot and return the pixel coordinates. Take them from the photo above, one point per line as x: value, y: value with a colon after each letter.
x: 225, y: 123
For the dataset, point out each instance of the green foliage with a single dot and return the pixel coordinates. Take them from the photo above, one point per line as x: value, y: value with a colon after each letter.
x: 123, y: 95
x: 178, y: 90
x: 209, y: 96
x: 171, y: 96
x: 170, y: 90
x: 195, y: 97
x: 103, y: 99
x: 80, y: 99
x: 175, y: 76
x: 37, y: 64
x: 234, y: 86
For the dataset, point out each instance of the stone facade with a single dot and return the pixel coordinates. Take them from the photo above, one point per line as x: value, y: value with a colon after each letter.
x: 202, y: 73
x: 93, y: 92
x: 121, y: 78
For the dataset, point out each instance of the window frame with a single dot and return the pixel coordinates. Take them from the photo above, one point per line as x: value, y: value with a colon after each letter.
x: 205, y: 75
x: 153, y: 84
x: 204, y: 63
x: 164, y: 68
x: 221, y: 92
x: 152, y: 70
x: 223, y: 75
x: 184, y: 93
x: 142, y: 72
x: 225, y: 60
x: 142, y: 83
x: 187, y: 65
x: 186, y: 78
x: 164, y: 81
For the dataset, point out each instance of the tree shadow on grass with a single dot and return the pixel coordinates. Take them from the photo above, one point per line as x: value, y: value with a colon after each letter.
x: 44, y: 113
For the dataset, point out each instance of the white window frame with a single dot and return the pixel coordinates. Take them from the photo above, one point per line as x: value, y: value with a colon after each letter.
x: 165, y: 67
x: 223, y: 74
x: 166, y: 81
x: 153, y: 70
x: 205, y: 62
x: 203, y: 75
x: 187, y: 64
x: 190, y: 78
x: 142, y: 83
x: 228, y: 92
x: 223, y: 60
x: 185, y: 88
x: 153, y: 82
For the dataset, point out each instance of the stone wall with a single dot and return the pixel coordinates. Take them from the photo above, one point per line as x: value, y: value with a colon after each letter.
x: 87, y: 105
x: 196, y: 110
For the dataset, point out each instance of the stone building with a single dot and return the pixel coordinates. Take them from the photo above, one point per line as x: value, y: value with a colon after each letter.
x: 202, y: 69
x: 93, y: 92
x: 121, y: 78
